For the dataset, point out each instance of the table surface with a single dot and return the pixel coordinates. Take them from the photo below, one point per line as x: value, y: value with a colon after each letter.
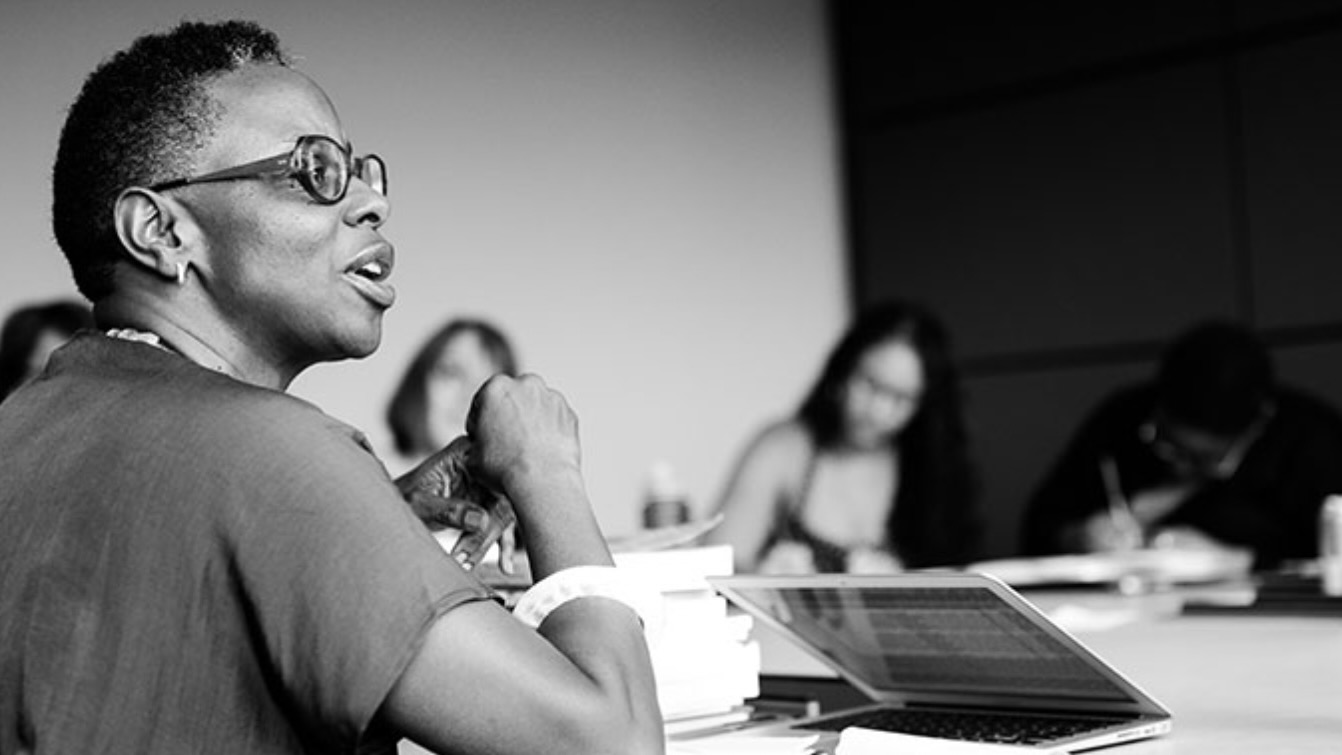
x: 1234, y: 683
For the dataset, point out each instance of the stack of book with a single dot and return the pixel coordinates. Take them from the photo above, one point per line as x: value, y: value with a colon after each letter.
x: 706, y: 663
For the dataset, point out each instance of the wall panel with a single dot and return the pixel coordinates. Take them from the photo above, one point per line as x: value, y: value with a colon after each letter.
x: 1071, y: 185
x: 1292, y: 99
x: 1088, y: 217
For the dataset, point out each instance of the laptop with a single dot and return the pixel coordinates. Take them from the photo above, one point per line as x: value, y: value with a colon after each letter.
x: 944, y: 653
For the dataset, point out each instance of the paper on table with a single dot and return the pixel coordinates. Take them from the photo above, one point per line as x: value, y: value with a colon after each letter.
x: 744, y: 744
x: 1160, y: 565
x: 859, y: 741
x: 664, y: 537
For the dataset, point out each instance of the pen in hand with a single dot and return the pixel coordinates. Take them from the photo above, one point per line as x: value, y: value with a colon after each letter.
x: 1125, y: 527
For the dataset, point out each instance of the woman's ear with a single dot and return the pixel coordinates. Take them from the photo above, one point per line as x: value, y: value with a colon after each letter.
x: 149, y: 227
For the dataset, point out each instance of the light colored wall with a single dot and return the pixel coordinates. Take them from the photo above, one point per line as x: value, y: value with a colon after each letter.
x: 642, y: 192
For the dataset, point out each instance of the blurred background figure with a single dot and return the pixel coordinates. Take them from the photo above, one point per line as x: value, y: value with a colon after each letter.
x: 1210, y: 454
x: 31, y: 333
x: 873, y: 472
x: 434, y: 396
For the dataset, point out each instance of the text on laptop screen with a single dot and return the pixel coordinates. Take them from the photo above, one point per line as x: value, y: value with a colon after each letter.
x: 934, y: 640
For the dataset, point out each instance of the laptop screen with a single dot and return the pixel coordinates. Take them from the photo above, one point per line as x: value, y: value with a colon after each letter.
x: 933, y: 639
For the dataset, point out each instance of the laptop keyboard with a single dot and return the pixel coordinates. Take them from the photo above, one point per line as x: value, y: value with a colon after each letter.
x: 975, y: 727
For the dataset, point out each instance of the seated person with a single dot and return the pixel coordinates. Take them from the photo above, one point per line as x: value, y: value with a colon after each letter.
x: 31, y: 333
x: 872, y: 474
x: 209, y: 564
x: 1211, y: 453
x: 429, y: 408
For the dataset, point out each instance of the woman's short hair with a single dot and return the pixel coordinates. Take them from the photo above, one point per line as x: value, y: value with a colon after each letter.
x: 141, y: 118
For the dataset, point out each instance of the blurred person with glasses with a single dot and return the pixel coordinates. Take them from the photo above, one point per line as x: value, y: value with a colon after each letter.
x: 1212, y: 454
x: 198, y: 561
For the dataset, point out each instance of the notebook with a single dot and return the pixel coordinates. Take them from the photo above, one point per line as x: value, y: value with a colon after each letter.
x: 949, y: 650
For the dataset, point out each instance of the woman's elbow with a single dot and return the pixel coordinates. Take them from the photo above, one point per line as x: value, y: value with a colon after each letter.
x: 642, y: 736
x: 629, y: 733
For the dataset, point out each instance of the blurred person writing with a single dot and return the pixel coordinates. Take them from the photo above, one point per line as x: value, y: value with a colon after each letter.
x: 1212, y: 453
x: 873, y: 472
x: 31, y: 333
x: 209, y: 564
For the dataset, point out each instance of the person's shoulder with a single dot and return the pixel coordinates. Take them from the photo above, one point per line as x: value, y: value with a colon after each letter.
x: 784, y: 434
x: 1296, y: 403
x: 1294, y: 395
x: 290, y: 454
x: 224, y: 400
x: 227, y: 411
x: 783, y: 441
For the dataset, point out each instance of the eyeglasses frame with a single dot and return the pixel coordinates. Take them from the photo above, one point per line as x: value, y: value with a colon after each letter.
x: 1220, y: 468
x: 287, y: 163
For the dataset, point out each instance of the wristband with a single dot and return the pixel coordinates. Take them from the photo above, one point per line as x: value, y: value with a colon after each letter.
x: 591, y: 582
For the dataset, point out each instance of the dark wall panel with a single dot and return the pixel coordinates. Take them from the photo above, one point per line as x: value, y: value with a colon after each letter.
x: 1257, y: 14
x: 1072, y: 184
x: 1092, y: 216
x: 1293, y: 155
x: 923, y: 54
x: 1315, y: 368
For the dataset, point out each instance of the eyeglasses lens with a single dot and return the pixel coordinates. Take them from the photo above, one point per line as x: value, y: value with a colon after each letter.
x: 373, y: 172
x: 324, y: 168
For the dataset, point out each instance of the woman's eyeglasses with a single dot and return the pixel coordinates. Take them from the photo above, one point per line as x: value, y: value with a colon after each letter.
x: 1213, y: 456
x: 321, y: 165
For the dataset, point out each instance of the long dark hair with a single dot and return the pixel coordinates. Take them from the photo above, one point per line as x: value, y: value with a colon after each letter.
x: 407, y: 415
x: 933, y: 519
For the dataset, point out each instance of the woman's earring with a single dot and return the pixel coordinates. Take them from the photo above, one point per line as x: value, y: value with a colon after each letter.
x: 181, y: 273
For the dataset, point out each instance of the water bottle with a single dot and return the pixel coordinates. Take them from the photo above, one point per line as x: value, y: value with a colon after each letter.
x: 1330, y: 545
x: 665, y: 503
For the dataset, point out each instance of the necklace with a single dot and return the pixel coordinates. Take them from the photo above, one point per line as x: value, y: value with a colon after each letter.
x: 156, y: 341
x: 139, y: 336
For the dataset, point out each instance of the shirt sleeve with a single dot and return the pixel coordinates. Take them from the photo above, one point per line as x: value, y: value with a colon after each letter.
x: 343, y: 580
x: 1272, y: 503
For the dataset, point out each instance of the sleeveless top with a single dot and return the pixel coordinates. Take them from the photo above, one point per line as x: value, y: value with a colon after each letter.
x: 790, y: 527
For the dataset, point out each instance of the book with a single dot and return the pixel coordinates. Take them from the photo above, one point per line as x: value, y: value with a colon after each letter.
x: 704, y: 723
x: 678, y: 569
x: 704, y: 660
x: 859, y: 741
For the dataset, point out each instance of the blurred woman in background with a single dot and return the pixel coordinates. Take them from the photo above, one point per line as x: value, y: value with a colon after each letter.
x: 31, y: 333
x: 873, y: 472
x: 434, y: 396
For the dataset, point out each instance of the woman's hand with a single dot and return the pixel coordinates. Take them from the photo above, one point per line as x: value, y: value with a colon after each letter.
x: 443, y: 493
x: 873, y: 561
x: 524, y: 436
x: 1109, y: 531
x: 787, y: 557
